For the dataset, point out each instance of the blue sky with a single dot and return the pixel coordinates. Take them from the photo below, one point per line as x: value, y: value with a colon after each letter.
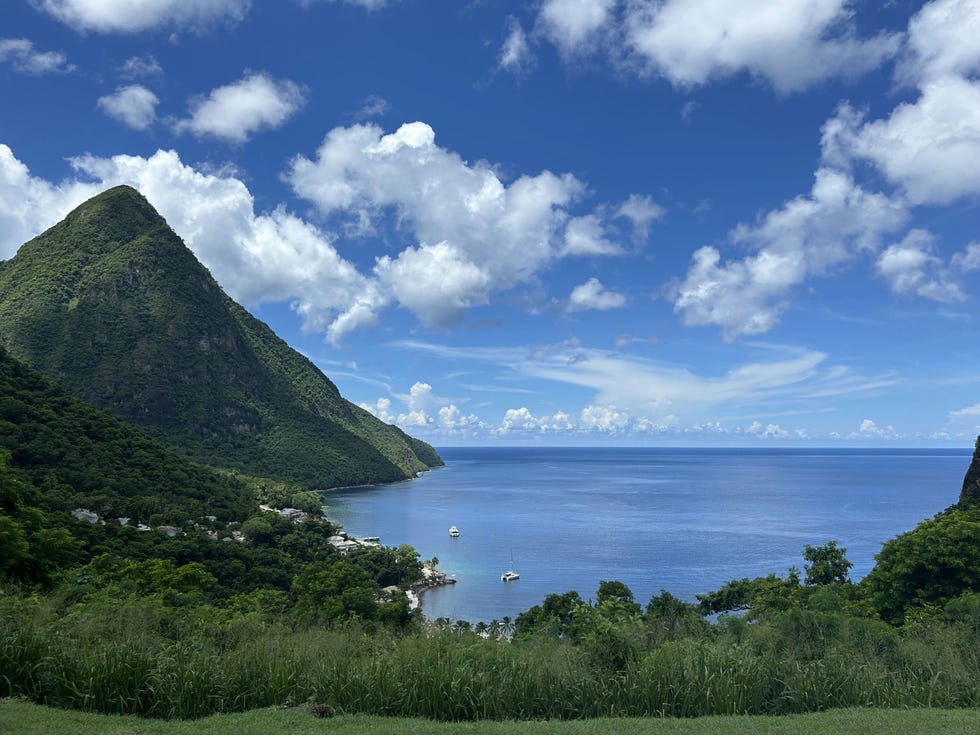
x: 563, y: 222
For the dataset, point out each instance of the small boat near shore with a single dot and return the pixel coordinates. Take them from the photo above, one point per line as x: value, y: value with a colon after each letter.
x: 454, y: 532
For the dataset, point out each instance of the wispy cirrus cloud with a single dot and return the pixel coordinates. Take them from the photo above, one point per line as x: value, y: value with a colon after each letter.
x: 366, y: 4
x: 516, y: 56
x: 792, y: 380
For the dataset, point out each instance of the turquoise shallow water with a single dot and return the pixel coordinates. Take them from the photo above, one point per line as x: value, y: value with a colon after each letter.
x: 684, y: 520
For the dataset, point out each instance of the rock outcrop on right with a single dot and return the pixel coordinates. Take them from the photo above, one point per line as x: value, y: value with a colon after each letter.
x: 970, y: 494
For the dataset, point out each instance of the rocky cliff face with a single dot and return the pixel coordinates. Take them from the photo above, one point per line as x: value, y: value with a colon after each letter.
x: 971, y: 483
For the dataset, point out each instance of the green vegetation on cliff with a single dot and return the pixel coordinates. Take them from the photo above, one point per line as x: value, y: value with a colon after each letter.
x: 970, y: 493
x: 113, y: 306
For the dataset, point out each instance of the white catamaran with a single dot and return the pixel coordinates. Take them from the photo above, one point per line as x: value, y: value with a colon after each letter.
x: 510, y: 575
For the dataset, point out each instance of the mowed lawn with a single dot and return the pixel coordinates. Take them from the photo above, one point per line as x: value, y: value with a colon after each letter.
x: 23, y: 718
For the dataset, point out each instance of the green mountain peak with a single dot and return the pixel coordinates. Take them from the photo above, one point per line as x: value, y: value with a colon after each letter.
x: 111, y: 304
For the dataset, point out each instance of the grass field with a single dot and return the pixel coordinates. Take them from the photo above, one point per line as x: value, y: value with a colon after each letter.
x: 22, y: 718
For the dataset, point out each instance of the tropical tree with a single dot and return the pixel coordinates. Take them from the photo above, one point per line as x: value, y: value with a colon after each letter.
x: 932, y: 564
x: 827, y: 564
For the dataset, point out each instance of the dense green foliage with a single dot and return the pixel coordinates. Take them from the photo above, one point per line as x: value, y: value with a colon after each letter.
x: 174, y: 639
x: 928, y: 566
x: 149, y: 656
x: 113, y: 306
x: 970, y: 493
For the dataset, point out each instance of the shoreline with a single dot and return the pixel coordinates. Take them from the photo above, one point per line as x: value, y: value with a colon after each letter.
x: 417, y: 475
x: 431, y: 578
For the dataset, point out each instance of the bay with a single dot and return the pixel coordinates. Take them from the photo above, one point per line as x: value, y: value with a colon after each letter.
x: 683, y: 520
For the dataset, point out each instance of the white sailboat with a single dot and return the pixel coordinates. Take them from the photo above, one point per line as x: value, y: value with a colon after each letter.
x: 454, y: 532
x: 510, y: 575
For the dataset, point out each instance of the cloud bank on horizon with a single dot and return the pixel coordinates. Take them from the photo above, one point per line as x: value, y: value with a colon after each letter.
x: 578, y: 231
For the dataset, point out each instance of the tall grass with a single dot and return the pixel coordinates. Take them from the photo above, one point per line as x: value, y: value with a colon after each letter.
x: 135, y: 660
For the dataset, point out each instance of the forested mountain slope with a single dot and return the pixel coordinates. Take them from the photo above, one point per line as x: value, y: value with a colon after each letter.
x: 111, y: 304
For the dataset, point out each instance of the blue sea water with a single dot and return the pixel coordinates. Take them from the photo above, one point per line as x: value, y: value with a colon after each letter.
x: 683, y: 520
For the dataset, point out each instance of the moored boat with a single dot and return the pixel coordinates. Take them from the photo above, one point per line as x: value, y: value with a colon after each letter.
x: 510, y: 575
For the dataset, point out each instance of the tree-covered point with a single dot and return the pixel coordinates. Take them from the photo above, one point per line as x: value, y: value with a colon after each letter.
x: 111, y: 304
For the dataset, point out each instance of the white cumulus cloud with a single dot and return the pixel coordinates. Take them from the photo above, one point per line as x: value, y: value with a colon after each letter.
x: 968, y: 260
x: 133, y: 16
x: 791, y: 43
x: 236, y: 111
x: 605, y: 419
x: 133, y: 105
x: 593, y: 295
x: 870, y: 430
x: 802, y: 239
x: 454, y: 421
x: 20, y: 52
x: 437, y: 282
x: 29, y: 204
x: 572, y: 25
x: 521, y: 421
x: 930, y: 148
x: 769, y: 431
x: 587, y: 235
x: 426, y: 413
x: 470, y: 234
x: 942, y: 42
x: 911, y: 269
x: 663, y: 398
x: 641, y: 211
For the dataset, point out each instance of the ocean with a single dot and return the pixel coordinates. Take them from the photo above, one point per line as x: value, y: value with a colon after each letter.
x: 681, y: 520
